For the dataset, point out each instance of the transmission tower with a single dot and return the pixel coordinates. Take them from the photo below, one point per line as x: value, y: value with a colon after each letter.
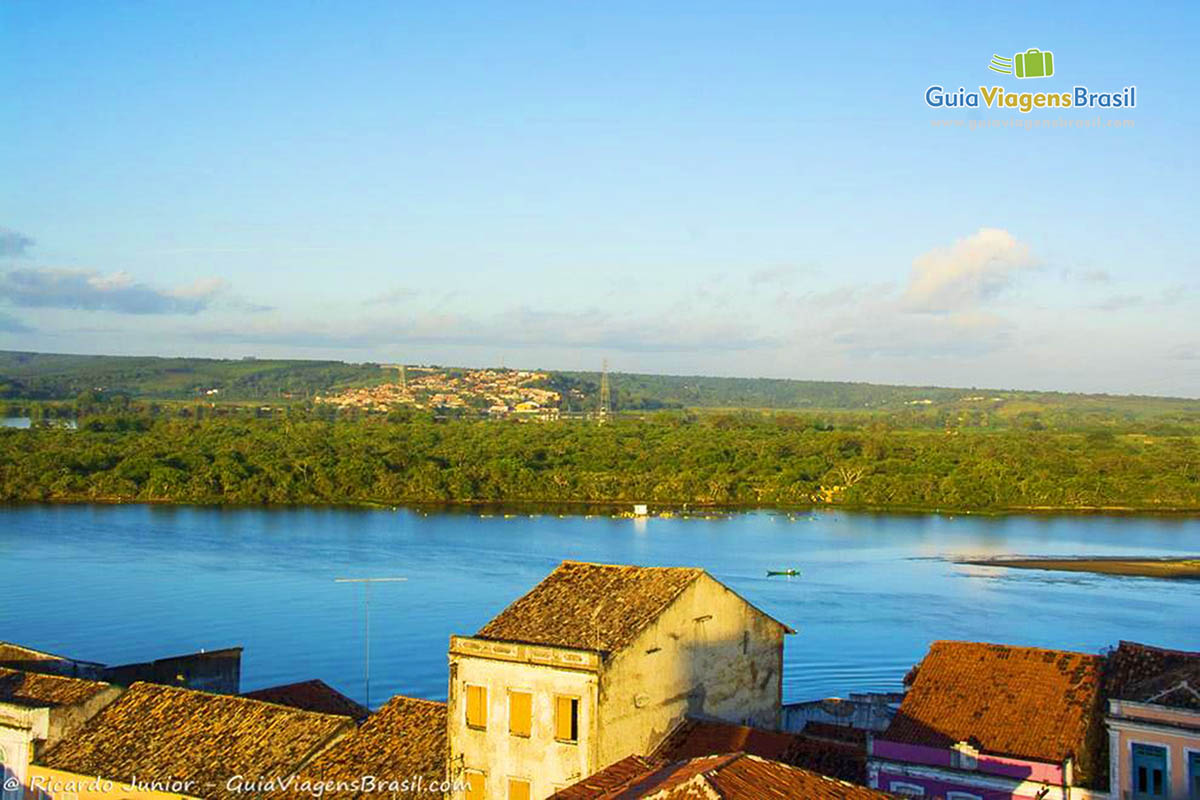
x: 605, y: 395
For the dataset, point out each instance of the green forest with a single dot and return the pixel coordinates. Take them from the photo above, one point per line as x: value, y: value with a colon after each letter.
x: 671, y: 459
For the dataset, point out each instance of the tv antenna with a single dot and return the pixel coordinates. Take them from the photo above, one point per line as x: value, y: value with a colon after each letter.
x: 366, y: 582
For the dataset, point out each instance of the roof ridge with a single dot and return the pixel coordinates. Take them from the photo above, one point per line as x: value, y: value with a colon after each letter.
x: 1023, y: 647
x: 239, y: 698
x: 566, y: 561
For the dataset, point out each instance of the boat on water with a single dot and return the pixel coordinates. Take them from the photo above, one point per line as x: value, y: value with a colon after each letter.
x: 788, y: 572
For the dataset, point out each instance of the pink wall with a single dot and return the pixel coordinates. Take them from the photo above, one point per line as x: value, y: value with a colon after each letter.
x: 1017, y: 768
x: 935, y: 788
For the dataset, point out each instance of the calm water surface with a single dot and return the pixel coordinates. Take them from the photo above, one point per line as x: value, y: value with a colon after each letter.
x: 127, y: 583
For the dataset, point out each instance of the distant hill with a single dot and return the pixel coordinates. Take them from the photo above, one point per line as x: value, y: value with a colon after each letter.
x: 43, y: 376
x: 46, y: 376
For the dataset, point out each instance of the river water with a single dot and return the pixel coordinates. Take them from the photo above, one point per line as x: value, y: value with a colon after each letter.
x: 131, y: 583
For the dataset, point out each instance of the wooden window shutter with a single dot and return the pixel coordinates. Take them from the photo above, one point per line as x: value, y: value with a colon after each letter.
x: 520, y: 713
x: 477, y: 706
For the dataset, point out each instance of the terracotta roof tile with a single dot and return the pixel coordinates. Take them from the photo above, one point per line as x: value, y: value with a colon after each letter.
x: 599, y: 607
x: 39, y: 690
x: 403, y: 740
x: 182, y: 734
x: 611, y: 778
x: 314, y: 695
x: 1147, y: 674
x: 732, y: 776
x: 1023, y: 702
x: 695, y: 738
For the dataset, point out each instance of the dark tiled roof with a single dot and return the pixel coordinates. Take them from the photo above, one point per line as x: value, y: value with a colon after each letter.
x: 404, y: 739
x: 696, y: 738
x: 314, y: 695
x: 590, y: 606
x: 733, y: 776
x: 1023, y: 702
x: 1156, y: 675
x: 38, y: 690
x: 182, y: 734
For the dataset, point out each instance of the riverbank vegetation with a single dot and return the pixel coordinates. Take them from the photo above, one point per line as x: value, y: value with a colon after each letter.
x: 670, y: 459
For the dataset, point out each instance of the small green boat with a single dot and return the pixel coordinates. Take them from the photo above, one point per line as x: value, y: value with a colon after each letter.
x: 789, y: 572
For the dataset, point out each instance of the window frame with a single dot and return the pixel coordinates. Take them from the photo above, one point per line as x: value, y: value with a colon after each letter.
x: 896, y: 787
x: 467, y: 687
x: 509, y: 709
x: 577, y: 704
x: 508, y: 784
x: 482, y: 783
x: 1166, y: 751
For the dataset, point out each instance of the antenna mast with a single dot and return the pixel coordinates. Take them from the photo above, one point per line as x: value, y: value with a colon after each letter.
x: 366, y: 582
x: 605, y: 394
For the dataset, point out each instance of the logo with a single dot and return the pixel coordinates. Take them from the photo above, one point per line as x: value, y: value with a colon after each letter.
x: 1033, y: 63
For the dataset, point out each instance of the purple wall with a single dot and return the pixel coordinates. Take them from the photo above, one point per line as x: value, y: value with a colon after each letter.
x: 992, y: 765
x: 935, y: 788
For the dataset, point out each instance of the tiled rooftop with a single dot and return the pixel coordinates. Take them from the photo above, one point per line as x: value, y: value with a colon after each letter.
x: 696, y: 738
x: 732, y: 776
x: 37, y: 690
x: 1023, y: 702
x: 181, y: 734
x: 1154, y: 675
x: 314, y: 695
x: 404, y: 739
x: 585, y: 606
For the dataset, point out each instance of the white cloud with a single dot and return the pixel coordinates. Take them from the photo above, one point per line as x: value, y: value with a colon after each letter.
x: 967, y: 273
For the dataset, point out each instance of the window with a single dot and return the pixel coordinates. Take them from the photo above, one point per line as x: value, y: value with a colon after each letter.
x: 962, y: 796
x: 475, y: 782
x: 1194, y: 775
x: 1149, y: 771
x: 566, y: 718
x: 520, y: 713
x: 476, y: 707
x: 518, y: 789
x: 906, y: 789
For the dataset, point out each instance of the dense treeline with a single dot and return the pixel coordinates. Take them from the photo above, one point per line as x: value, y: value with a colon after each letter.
x: 50, y: 376
x: 668, y: 459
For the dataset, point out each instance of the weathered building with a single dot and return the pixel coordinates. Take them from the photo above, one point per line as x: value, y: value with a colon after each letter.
x: 598, y: 662
x: 208, y: 670
x: 993, y: 722
x: 36, y: 711
x: 1153, y: 722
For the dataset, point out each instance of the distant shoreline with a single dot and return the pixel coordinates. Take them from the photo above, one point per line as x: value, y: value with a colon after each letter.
x: 623, y: 508
x: 1167, y: 568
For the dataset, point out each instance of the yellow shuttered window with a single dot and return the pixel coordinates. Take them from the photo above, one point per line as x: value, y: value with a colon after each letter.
x: 518, y: 789
x: 476, y: 706
x: 566, y: 718
x: 520, y: 713
x: 475, y: 785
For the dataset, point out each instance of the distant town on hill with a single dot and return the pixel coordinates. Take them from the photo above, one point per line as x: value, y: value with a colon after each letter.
x: 26, y: 376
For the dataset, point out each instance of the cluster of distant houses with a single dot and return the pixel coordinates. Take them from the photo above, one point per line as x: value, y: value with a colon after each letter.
x: 613, y: 682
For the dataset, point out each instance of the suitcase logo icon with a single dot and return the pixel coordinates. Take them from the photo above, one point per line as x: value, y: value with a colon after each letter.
x: 1033, y: 63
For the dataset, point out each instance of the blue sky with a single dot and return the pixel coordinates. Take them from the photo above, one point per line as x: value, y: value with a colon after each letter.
x: 732, y: 189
